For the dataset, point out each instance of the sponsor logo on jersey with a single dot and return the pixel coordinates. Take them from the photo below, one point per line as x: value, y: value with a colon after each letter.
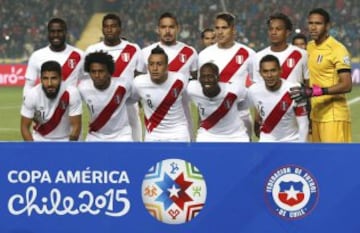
x: 291, y: 192
x: 174, y: 191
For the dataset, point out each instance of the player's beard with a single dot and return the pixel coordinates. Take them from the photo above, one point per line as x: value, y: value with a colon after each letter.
x: 51, y: 95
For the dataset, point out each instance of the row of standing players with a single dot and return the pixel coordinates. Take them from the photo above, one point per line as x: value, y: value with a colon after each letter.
x: 279, y: 82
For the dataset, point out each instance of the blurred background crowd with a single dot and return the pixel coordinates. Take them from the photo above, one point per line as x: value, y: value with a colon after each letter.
x: 23, y: 23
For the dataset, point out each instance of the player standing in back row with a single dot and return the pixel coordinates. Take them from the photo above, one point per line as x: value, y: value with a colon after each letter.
x: 235, y: 60
x: 69, y: 57
x: 182, y: 57
x: 128, y: 62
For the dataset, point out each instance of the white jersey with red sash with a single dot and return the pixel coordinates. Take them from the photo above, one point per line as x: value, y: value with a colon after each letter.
x: 107, y: 110
x: 278, y: 112
x: 235, y: 63
x: 219, y: 115
x: 163, y: 104
x: 71, y: 60
x: 127, y: 57
x: 293, y: 61
x: 182, y: 58
x: 51, y: 116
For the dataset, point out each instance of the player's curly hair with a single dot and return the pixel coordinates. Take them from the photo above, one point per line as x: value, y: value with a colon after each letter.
x: 102, y: 58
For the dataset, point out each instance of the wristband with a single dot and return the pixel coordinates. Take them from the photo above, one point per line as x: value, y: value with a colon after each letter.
x: 317, y: 91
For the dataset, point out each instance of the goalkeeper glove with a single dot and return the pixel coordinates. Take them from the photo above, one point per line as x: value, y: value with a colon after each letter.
x: 299, y: 94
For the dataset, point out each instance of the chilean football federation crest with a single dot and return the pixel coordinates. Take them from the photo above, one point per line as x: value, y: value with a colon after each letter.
x: 291, y: 192
x: 173, y: 191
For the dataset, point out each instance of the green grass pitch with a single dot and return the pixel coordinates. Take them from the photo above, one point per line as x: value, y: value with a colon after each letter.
x: 11, y: 98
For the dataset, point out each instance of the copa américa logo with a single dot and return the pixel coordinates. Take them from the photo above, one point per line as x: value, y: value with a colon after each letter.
x: 174, y: 191
x: 291, y: 192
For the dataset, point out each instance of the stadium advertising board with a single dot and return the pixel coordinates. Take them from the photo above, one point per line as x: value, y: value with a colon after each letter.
x: 110, y: 187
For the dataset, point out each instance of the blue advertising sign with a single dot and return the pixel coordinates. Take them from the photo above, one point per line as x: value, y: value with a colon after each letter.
x: 167, y: 187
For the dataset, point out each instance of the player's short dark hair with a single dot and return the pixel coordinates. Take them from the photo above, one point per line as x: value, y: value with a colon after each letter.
x: 212, y: 66
x: 161, y: 51
x: 57, y: 20
x: 113, y: 17
x: 51, y: 66
x: 102, y: 58
x: 269, y: 58
x: 228, y: 17
x: 283, y: 17
x: 168, y: 15
x: 299, y: 36
x: 321, y: 12
x: 205, y: 31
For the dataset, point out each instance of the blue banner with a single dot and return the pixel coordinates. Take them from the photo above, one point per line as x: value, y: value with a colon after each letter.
x: 115, y: 187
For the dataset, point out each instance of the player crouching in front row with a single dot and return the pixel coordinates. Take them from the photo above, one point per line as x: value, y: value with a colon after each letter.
x: 56, y: 111
x: 278, y: 118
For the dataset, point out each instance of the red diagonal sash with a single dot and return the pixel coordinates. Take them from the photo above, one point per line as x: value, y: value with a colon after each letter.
x: 109, y: 109
x: 219, y: 113
x: 70, y: 64
x: 123, y: 60
x: 164, y: 107
x: 290, y: 63
x: 180, y: 59
x: 277, y: 113
x: 234, y: 65
x: 55, y: 119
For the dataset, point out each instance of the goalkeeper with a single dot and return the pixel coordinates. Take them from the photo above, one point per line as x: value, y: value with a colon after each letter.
x: 330, y: 78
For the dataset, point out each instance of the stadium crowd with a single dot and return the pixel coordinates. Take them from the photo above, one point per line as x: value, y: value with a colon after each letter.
x: 23, y: 23
x: 23, y: 27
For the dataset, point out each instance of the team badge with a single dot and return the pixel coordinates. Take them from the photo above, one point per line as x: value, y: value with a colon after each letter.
x: 227, y: 104
x: 174, y: 191
x: 175, y: 92
x: 290, y: 62
x: 118, y: 99
x: 319, y: 59
x: 284, y: 106
x: 291, y: 192
x: 239, y: 59
x: 71, y: 63
x: 63, y: 104
x: 125, y: 57
x: 182, y: 57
